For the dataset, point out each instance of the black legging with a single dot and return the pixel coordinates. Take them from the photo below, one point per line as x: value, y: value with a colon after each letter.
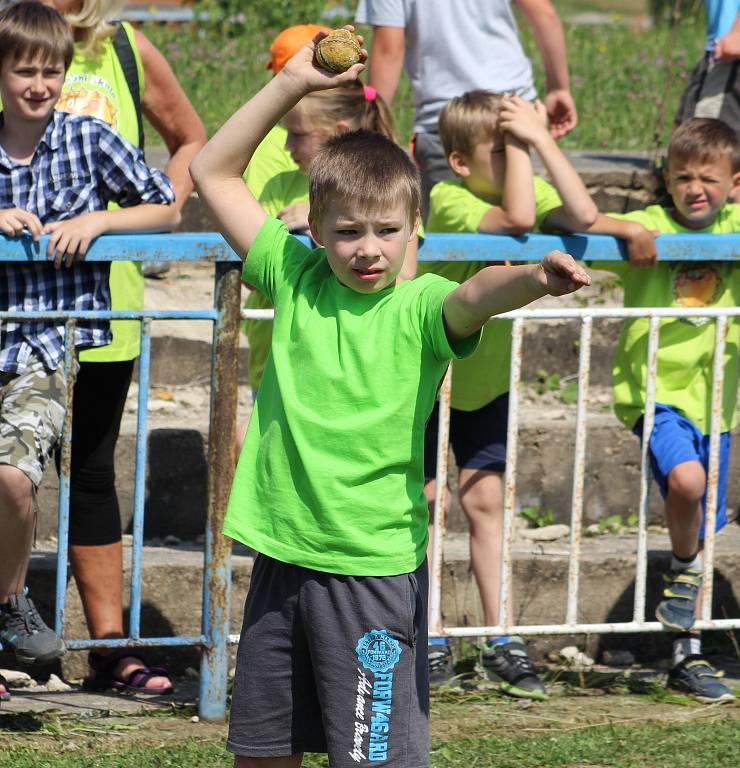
x: 99, y: 398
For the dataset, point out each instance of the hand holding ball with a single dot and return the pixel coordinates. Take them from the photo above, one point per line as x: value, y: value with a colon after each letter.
x: 338, y: 51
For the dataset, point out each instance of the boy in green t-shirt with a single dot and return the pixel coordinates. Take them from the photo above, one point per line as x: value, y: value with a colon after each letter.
x: 487, y: 137
x: 703, y: 170
x: 329, y: 486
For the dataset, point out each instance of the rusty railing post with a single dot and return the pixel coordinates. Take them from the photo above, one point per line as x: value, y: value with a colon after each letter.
x: 221, y: 462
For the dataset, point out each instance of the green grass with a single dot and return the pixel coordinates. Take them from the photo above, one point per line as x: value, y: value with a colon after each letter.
x: 621, y: 76
x: 699, y: 745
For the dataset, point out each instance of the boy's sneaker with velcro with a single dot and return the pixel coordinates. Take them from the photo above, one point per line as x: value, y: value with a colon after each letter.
x: 697, y: 677
x: 678, y: 608
x: 23, y: 630
x: 439, y: 660
x: 508, y: 664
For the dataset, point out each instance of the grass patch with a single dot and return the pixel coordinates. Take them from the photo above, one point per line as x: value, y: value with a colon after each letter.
x: 620, y: 76
x: 638, y: 745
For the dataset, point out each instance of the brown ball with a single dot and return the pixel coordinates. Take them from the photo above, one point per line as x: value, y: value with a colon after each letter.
x: 338, y: 51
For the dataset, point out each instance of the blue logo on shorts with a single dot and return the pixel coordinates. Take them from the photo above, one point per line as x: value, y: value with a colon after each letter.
x: 378, y: 651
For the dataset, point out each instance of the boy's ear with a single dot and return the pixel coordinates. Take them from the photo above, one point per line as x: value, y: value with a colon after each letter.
x: 667, y: 180
x: 415, y: 225
x: 458, y: 163
x: 313, y: 228
x: 341, y: 126
x: 735, y: 183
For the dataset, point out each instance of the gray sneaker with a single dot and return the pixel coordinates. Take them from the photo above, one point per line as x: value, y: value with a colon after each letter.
x: 509, y: 665
x: 698, y: 678
x: 439, y: 661
x: 678, y: 608
x: 23, y: 630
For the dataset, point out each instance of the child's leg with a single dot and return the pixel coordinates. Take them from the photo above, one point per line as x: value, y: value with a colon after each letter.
x: 686, y: 488
x: 16, y: 522
x: 31, y: 416
x: 481, y: 497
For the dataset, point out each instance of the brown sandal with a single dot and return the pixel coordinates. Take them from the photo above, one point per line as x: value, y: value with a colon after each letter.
x: 105, y: 678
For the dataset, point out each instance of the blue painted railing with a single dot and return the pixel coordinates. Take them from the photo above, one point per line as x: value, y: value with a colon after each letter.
x: 211, y: 247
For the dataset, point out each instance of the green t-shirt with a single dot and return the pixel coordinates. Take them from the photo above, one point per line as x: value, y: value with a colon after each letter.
x: 284, y: 189
x: 269, y: 159
x: 331, y: 473
x: 686, y: 347
x: 482, y: 377
x: 279, y: 192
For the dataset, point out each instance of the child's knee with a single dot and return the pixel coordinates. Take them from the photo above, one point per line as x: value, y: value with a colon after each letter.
x: 688, y: 480
x: 16, y: 490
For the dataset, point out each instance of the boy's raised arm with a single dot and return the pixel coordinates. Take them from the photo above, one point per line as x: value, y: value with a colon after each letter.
x: 495, y: 290
x: 218, y: 168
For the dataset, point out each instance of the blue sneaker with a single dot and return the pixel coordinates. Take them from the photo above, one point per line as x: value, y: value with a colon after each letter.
x: 439, y: 661
x: 697, y: 677
x: 678, y: 610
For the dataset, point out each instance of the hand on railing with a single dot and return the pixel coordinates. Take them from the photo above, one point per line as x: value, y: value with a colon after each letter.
x: 641, y: 247
x: 15, y: 222
x: 71, y: 238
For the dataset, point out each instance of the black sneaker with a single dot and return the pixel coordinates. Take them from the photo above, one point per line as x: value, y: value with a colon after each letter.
x: 509, y: 665
x: 439, y: 659
x: 697, y: 677
x: 23, y: 630
x: 678, y: 609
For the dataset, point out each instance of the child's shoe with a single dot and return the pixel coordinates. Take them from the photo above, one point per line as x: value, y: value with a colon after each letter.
x: 697, y: 677
x: 23, y: 630
x: 508, y: 663
x: 677, y: 610
x: 439, y: 659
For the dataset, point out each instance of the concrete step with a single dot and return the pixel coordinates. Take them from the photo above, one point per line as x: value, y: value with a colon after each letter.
x: 177, y: 469
x: 172, y: 582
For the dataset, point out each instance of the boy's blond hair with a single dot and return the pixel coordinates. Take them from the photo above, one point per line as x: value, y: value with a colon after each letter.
x: 468, y: 120
x: 93, y: 21
x: 705, y: 139
x: 31, y: 30
x: 365, y: 169
x: 361, y: 107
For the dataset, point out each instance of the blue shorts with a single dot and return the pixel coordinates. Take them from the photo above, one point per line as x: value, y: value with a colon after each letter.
x: 478, y: 438
x: 674, y: 440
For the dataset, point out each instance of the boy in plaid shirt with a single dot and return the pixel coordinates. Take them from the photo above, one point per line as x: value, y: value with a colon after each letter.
x: 58, y: 172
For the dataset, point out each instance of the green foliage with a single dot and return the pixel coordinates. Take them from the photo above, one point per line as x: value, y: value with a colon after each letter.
x: 674, y: 11
x: 552, y: 382
x: 536, y: 517
x: 258, y: 14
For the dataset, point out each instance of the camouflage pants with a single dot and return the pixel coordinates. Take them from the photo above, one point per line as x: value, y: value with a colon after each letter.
x: 32, y: 406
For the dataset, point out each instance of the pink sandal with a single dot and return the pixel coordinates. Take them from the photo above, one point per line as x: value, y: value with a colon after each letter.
x: 105, y: 678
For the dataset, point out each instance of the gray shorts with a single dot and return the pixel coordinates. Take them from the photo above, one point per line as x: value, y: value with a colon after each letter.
x: 336, y: 664
x: 713, y: 91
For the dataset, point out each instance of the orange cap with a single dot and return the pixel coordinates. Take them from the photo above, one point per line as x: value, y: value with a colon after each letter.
x: 289, y: 42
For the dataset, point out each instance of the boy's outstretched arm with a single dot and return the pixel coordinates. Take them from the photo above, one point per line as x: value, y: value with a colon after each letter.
x: 640, y: 241
x: 218, y: 168
x: 494, y: 290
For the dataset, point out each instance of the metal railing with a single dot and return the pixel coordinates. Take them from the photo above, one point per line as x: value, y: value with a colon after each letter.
x: 224, y: 316
x: 597, y: 248
x: 214, y: 637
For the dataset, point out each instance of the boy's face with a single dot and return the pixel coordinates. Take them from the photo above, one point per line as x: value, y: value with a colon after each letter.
x: 365, y: 250
x: 699, y: 189
x: 483, y: 170
x: 30, y: 87
x: 303, y: 140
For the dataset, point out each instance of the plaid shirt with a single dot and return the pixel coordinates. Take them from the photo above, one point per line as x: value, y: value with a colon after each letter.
x: 80, y: 165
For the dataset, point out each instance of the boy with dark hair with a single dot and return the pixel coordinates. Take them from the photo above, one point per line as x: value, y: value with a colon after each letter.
x: 487, y: 139
x: 58, y: 173
x: 329, y: 486
x: 702, y: 172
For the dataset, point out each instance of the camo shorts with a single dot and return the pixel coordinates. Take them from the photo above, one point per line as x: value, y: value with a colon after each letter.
x: 32, y: 407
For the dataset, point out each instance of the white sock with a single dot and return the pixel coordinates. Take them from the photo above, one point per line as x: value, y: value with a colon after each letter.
x: 696, y: 563
x: 689, y: 645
